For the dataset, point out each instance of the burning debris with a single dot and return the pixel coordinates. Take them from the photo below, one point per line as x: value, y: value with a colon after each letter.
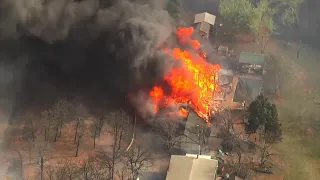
x: 194, y: 82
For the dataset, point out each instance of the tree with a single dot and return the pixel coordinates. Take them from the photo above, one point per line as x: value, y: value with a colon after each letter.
x: 137, y: 160
x: 41, y: 151
x: 59, y: 112
x: 29, y: 128
x: 95, y: 131
x: 47, y: 124
x: 279, y: 71
x: 290, y: 16
x: 202, y: 132
x: 89, y: 171
x: 236, y: 12
x: 261, y: 24
x: 79, y: 134
x: 263, y: 116
x: 226, y: 120
x: 118, y: 123
x: 167, y: 130
x: 108, y: 161
x: 173, y: 8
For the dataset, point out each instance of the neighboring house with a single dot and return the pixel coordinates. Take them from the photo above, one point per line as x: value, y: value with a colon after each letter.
x: 251, y: 64
x: 192, y: 167
x: 247, y: 89
x: 203, y: 22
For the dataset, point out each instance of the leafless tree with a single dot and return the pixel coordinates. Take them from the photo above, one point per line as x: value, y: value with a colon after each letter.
x: 29, y: 128
x: 226, y: 120
x: 123, y: 173
x: 47, y: 124
x: 168, y: 130
x: 59, y: 113
x: 80, y: 133
x: 137, y: 160
x: 78, y: 127
x: 95, y: 131
x: 17, y: 165
x: 201, y: 131
x: 108, y: 161
x: 89, y: 171
x: 41, y: 150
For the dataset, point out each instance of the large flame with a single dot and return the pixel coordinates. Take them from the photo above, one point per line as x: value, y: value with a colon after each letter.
x: 194, y: 82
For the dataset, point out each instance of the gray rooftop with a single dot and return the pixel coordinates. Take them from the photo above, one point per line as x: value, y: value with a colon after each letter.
x: 247, y: 89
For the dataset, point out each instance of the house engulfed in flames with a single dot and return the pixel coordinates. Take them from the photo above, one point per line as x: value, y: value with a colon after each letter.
x: 193, y: 84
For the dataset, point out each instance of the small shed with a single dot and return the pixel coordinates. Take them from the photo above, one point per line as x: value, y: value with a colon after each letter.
x: 250, y: 63
x: 203, y: 22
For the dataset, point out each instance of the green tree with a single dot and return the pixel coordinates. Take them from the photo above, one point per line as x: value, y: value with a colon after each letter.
x: 290, y: 16
x: 263, y: 117
x: 173, y: 8
x: 261, y: 24
x: 236, y: 12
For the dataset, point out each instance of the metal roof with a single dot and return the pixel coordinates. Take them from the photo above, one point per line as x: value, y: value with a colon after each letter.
x: 247, y: 89
x: 191, y: 168
x: 251, y: 58
x: 205, y: 17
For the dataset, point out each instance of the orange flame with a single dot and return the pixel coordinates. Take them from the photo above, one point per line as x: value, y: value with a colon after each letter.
x: 194, y: 82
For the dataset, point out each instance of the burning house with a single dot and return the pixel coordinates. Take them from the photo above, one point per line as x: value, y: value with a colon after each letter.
x: 193, y: 82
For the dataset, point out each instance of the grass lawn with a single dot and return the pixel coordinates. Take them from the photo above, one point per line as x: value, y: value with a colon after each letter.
x: 299, y: 153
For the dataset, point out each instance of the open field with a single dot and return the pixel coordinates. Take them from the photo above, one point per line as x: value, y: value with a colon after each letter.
x: 299, y: 153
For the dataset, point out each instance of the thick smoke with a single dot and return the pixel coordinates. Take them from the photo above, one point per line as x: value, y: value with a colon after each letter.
x: 84, y: 48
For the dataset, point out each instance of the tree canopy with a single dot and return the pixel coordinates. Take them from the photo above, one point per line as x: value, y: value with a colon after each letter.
x: 236, y: 12
x: 261, y: 24
x: 263, y: 117
x: 290, y: 16
x: 173, y: 8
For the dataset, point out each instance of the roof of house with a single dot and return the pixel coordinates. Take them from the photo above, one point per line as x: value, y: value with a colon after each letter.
x: 205, y: 17
x: 190, y: 168
x: 247, y: 89
x: 251, y: 58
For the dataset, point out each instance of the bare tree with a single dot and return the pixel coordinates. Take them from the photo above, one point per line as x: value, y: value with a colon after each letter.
x: 167, y: 131
x: 137, y: 160
x: 47, y: 124
x: 108, y: 161
x: 41, y: 150
x: 80, y: 133
x: 78, y: 127
x: 226, y: 120
x: 59, y: 113
x: 88, y: 171
x: 29, y: 129
x: 123, y: 173
x: 95, y: 131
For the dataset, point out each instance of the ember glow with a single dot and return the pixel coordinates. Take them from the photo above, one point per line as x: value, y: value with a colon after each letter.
x: 194, y: 82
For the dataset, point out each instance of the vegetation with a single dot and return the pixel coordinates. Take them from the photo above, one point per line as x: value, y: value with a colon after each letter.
x: 173, y: 8
x: 236, y: 12
x: 279, y: 72
x: 256, y: 19
x: 263, y: 117
x: 261, y: 24
x: 290, y: 16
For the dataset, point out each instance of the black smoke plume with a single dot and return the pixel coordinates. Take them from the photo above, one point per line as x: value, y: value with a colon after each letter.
x: 80, y: 49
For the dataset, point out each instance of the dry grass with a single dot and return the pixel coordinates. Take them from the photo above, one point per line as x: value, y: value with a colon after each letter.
x: 299, y: 153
